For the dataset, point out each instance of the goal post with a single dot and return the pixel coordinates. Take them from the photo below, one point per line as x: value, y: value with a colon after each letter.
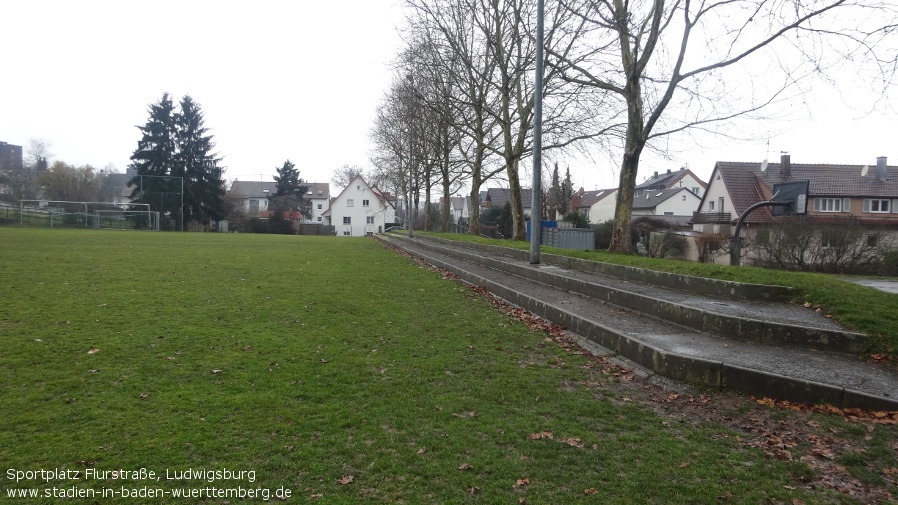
x: 94, y: 215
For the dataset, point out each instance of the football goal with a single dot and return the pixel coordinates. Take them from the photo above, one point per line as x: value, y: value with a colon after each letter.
x: 93, y: 215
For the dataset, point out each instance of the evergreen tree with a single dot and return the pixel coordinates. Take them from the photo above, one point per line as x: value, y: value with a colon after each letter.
x: 288, y: 183
x: 567, y: 192
x: 154, y: 158
x: 555, y: 196
x: 204, y: 187
x: 175, y: 147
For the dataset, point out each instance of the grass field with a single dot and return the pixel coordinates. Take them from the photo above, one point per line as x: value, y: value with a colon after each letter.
x: 334, y: 369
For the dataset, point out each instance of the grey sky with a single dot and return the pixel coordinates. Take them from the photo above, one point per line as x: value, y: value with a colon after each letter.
x: 286, y: 80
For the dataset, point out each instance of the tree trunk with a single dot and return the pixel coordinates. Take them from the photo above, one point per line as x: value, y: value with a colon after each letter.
x: 474, y: 218
x: 519, y: 231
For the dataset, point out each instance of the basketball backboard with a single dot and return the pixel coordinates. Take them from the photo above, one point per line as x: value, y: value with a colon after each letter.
x: 795, y: 194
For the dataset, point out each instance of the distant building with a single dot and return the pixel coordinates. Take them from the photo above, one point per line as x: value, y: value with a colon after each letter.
x: 682, y: 178
x: 360, y: 209
x: 10, y: 157
x: 255, y: 195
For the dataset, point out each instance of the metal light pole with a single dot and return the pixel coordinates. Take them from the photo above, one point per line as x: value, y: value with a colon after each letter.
x: 536, y: 212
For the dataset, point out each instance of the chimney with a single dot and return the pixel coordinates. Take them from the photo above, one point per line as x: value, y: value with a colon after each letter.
x: 656, y: 175
x: 881, y: 165
x: 785, y: 166
x: 668, y: 170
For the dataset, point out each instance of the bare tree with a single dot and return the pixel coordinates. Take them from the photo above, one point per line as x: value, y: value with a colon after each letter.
x: 682, y: 64
x: 345, y: 174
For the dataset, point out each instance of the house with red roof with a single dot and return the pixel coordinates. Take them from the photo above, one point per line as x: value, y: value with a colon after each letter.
x: 859, y: 195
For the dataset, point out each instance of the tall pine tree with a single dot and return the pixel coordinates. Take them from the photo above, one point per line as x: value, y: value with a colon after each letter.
x: 204, y: 189
x: 289, y: 184
x: 154, y: 158
x: 175, y: 146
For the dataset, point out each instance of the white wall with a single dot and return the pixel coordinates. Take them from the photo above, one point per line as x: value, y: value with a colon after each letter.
x: 603, y: 210
x: 358, y: 213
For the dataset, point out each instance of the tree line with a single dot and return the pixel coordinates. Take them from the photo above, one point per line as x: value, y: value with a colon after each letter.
x: 620, y: 79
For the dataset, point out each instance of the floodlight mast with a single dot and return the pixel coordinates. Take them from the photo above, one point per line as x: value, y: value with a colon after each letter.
x: 734, y: 254
x: 536, y: 213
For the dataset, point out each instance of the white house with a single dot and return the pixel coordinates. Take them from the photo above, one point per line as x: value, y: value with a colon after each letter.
x: 682, y: 178
x: 598, y: 206
x: 320, y: 195
x: 677, y: 201
x: 254, y: 194
x: 360, y: 210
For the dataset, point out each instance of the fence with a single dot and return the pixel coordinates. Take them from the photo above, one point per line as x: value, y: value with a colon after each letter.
x: 562, y: 235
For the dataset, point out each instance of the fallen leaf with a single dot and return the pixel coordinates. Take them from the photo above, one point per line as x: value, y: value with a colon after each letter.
x: 217, y: 371
x: 144, y: 396
x: 464, y: 466
x: 590, y: 491
x: 684, y: 464
x: 473, y: 490
x: 573, y: 442
x: 93, y: 351
x: 346, y: 479
x: 541, y: 435
x: 522, y: 482
x: 422, y: 450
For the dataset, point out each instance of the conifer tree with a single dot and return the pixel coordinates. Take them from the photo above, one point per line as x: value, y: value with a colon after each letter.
x: 175, y: 146
x: 290, y: 184
x: 196, y: 161
x: 154, y: 158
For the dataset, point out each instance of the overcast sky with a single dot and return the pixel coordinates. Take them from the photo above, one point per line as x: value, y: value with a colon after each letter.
x: 282, y: 80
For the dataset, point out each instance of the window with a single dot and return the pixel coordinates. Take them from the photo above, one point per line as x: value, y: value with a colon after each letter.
x: 721, y: 204
x: 695, y: 190
x: 319, y: 218
x: 370, y: 233
x: 350, y: 202
x: 710, y: 205
x: 831, y: 204
x: 668, y: 213
x: 369, y: 220
x: 876, y: 205
x: 319, y: 206
x: 345, y: 233
x: 347, y: 220
x: 364, y: 203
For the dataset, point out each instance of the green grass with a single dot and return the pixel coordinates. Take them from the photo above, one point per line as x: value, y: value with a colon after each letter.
x: 333, y: 358
x: 857, y: 307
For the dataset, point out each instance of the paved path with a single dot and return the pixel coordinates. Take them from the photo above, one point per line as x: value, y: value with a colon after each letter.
x: 722, y: 342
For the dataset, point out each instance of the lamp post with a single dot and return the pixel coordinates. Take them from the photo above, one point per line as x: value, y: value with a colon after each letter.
x: 536, y: 212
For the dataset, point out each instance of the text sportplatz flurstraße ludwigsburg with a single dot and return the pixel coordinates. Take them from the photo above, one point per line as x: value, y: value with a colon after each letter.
x: 142, y: 474
x: 231, y: 483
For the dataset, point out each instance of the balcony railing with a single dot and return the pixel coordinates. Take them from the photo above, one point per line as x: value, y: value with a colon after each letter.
x: 711, y: 217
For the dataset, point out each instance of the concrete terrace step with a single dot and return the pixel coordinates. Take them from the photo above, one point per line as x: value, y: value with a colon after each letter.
x: 752, y: 363
x: 735, y: 317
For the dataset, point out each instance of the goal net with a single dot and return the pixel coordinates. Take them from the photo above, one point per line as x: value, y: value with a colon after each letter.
x: 93, y: 215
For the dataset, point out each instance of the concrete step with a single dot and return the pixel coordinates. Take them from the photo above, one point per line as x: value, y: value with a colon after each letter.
x: 762, y: 364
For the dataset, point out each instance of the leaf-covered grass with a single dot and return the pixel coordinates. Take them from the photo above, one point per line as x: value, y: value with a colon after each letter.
x: 331, y: 367
x: 857, y: 307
